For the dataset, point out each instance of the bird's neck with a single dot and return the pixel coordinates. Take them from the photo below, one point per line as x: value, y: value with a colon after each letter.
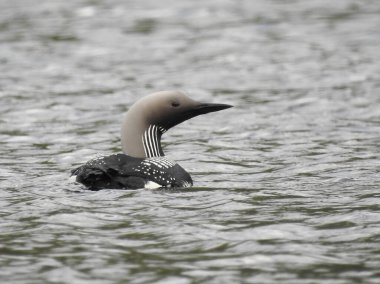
x: 151, y: 139
x: 139, y: 137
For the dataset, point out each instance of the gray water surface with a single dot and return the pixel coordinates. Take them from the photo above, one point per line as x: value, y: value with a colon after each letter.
x: 286, y: 182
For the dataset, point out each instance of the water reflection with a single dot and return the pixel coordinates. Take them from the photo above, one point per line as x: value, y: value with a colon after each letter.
x: 286, y: 183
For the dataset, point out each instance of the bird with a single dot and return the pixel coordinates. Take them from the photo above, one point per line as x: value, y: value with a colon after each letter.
x: 143, y: 163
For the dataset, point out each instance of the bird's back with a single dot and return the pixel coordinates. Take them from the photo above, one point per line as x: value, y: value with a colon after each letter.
x: 123, y: 171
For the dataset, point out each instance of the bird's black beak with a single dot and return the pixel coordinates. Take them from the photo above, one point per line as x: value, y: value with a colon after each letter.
x: 192, y: 110
x: 203, y: 108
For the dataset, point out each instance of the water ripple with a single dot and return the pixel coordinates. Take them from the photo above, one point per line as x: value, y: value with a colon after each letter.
x: 286, y: 182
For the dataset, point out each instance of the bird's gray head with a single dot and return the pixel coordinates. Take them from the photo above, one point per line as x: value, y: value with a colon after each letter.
x: 154, y: 114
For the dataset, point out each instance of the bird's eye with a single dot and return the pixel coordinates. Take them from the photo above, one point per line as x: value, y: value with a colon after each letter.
x: 175, y: 104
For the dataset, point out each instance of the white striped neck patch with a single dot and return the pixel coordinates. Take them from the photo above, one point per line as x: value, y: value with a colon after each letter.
x: 152, y: 141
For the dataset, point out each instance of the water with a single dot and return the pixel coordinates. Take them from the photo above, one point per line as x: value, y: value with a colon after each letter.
x: 286, y: 183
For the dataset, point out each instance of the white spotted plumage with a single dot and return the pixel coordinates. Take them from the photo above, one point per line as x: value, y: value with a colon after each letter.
x: 160, y: 162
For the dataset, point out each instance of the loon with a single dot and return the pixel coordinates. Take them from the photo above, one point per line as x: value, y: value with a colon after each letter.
x: 143, y: 163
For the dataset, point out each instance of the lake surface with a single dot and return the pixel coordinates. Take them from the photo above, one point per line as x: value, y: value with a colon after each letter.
x: 286, y: 182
